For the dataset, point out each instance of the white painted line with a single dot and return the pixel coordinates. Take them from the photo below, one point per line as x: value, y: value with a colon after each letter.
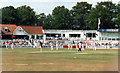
x: 81, y: 53
x: 51, y: 63
x: 47, y: 63
x: 21, y: 64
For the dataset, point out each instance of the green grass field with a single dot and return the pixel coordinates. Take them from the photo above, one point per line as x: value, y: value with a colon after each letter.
x: 30, y: 59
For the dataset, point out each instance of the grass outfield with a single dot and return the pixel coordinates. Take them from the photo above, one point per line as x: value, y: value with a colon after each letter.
x: 30, y: 59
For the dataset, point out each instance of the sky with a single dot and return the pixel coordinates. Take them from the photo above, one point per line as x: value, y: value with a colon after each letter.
x: 46, y: 6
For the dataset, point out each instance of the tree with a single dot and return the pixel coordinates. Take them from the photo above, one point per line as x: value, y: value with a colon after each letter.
x: 92, y: 20
x: 9, y: 15
x: 0, y: 16
x: 26, y: 15
x: 49, y: 22
x: 106, y: 12
x: 61, y: 17
x: 117, y: 18
x: 45, y: 21
x: 79, y: 13
x: 41, y: 19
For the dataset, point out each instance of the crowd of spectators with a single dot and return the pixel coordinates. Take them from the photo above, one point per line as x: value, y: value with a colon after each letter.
x: 54, y: 43
x: 86, y: 45
x: 16, y: 42
x: 4, y: 43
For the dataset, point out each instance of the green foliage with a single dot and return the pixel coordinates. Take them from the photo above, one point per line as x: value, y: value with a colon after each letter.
x: 117, y: 21
x: 117, y: 18
x: 0, y: 16
x: 9, y: 15
x: 106, y: 12
x: 79, y: 13
x: 26, y: 15
x: 61, y: 17
x: 49, y: 22
x: 81, y: 16
x: 92, y: 19
x: 41, y: 19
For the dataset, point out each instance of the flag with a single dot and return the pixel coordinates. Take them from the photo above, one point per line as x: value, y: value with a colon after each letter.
x: 98, y: 23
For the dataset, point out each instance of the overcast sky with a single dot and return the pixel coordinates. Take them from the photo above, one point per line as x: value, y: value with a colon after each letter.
x: 46, y: 6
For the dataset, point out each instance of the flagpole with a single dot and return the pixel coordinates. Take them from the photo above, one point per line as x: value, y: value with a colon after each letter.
x: 98, y: 28
x: 98, y: 23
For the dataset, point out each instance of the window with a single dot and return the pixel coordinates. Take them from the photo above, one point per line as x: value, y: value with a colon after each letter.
x: 100, y: 38
x: 105, y: 38
x: 113, y: 38
x: 63, y: 35
x: 6, y: 29
x: 37, y: 37
x: 109, y: 38
x: 32, y: 36
x: 90, y: 34
x: 20, y: 29
x: 74, y: 35
x: 118, y: 39
x: 52, y: 35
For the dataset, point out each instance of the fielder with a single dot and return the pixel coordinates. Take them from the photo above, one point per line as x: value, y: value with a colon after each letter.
x: 51, y: 44
x: 41, y: 45
x: 57, y: 45
x: 69, y: 45
x: 79, y: 46
x: 12, y: 46
x: 82, y: 46
x: 76, y: 46
x: 6, y: 45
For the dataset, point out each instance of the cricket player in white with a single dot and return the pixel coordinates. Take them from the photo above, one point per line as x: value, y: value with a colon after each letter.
x: 68, y: 45
x: 57, y: 45
x: 94, y: 46
x: 71, y: 46
x: 6, y: 45
x: 35, y: 43
x: 79, y: 45
x: 51, y: 45
x: 83, y: 46
x: 76, y: 46
x: 86, y: 45
x: 12, y: 46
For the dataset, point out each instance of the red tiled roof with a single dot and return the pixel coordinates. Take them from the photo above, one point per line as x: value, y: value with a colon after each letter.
x: 11, y: 28
x: 16, y: 28
x: 33, y: 29
x: 29, y: 29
